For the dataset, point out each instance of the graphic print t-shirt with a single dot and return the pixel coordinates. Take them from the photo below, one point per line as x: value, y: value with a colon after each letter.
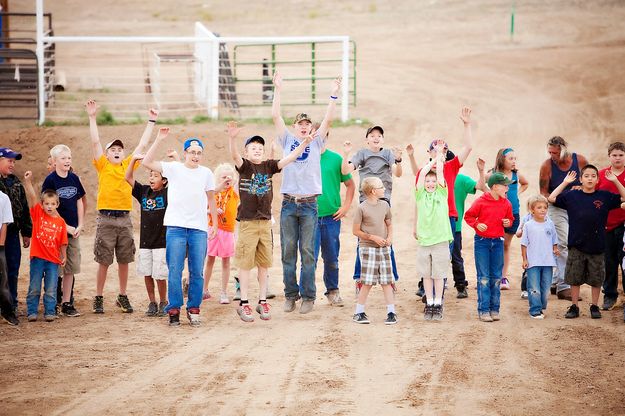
x: 153, y: 207
x: 256, y: 189
x: 70, y: 190
x: 49, y: 234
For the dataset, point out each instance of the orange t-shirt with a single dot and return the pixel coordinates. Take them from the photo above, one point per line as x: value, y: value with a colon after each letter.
x: 227, y: 201
x: 49, y: 234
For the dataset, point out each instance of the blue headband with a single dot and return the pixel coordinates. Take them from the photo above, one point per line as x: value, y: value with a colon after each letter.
x: 508, y: 150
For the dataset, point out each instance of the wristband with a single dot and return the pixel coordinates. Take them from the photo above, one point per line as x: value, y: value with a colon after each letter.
x: 333, y: 97
x: 151, y: 121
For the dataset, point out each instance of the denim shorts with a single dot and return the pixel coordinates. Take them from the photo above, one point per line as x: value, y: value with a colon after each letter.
x: 514, y: 227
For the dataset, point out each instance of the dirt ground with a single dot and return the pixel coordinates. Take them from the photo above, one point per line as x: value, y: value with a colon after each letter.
x: 418, y: 63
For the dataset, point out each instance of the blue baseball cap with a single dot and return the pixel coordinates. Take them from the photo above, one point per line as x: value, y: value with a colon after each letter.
x: 192, y: 141
x: 9, y: 153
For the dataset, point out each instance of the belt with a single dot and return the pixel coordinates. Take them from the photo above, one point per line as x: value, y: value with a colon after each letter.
x: 300, y: 200
x: 113, y: 213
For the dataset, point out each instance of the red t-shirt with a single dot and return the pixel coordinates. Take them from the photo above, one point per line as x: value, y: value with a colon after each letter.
x: 49, y: 234
x: 616, y: 217
x: 450, y: 171
x: 491, y: 212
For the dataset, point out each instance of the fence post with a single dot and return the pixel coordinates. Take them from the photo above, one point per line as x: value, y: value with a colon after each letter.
x: 40, y: 64
x: 345, y: 84
x: 214, y: 84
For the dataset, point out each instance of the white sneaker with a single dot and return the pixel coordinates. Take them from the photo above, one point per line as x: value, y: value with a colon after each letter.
x: 541, y: 316
x: 524, y: 294
x: 223, y: 298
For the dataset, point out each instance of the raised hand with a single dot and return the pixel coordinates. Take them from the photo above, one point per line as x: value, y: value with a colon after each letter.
x: 138, y: 156
x: 336, y: 86
x: 465, y: 115
x: 439, y: 145
x: 28, y: 176
x: 92, y: 108
x: 570, y: 177
x: 152, y: 114
x: 233, y: 129
x: 410, y: 149
x: 397, y: 152
x: 172, y: 154
x: 162, y: 133
x: 306, y: 140
x: 610, y: 176
x: 347, y: 146
x: 277, y: 80
x: 481, y: 164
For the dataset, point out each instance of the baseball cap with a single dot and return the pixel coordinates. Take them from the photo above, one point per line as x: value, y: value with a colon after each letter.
x: 378, y: 128
x: 433, y: 144
x: 115, y: 142
x: 499, y: 178
x: 192, y: 141
x: 255, y: 139
x: 9, y: 153
x: 302, y: 117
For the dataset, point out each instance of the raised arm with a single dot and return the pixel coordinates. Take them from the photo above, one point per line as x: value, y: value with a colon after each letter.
x: 397, y: 169
x: 347, y: 167
x: 149, y: 160
x: 130, y: 170
x: 612, y: 178
x: 413, y: 162
x: 327, y: 119
x: 276, y: 114
x: 92, y: 109
x: 481, y: 182
x: 233, y: 131
x: 467, y: 136
x: 543, y: 178
x: 31, y: 195
x: 569, y: 178
x: 147, y: 133
x: 295, y: 153
x: 424, y: 171
x: 440, y: 164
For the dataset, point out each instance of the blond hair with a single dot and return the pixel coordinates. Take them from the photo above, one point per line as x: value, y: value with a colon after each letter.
x: 58, y: 149
x: 222, y: 167
x: 536, y: 199
x: 369, y: 184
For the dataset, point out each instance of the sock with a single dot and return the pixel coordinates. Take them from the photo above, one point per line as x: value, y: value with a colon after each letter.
x: 438, y: 301
x: 430, y: 301
x: 360, y: 308
x: 262, y: 301
x: 390, y: 308
x: 243, y: 302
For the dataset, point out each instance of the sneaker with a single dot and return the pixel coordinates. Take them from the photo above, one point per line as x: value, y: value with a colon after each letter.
x: 49, y: 318
x: 223, y: 298
x: 595, y: 313
x: 57, y: 309
x: 206, y: 295
x: 361, y: 318
x: 427, y: 312
x: 524, y: 294
x: 68, y: 309
x: 495, y: 316
x: 98, y: 304
x: 462, y: 292
x: 237, y: 289
x: 289, y: 305
x: 174, y: 317
x: 306, y: 306
x: 10, y: 318
x: 124, y: 304
x: 540, y: 316
x: 553, y: 289
x: 32, y: 318
x: 161, y: 309
x: 193, y: 314
x: 421, y: 292
x: 437, y: 312
x: 263, y: 310
x: 391, y: 319
x: 245, y: 313
x: 152, y: 309
x: 608, y: 303
x: 572, y: 312
x: 505, y: 284
x: 334, y: 298
x: 485, y: 317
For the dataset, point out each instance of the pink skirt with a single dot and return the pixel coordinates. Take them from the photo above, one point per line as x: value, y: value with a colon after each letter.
x: 222, y: 245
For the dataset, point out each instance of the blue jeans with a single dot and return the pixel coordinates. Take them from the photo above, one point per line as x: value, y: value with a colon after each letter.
x: 489, y: 267
x: 13, y: 252
x: 298, y: 226
x: 192, y: 242
x: 327, y: 241
x: 538, y: 285
x: 46, y: 271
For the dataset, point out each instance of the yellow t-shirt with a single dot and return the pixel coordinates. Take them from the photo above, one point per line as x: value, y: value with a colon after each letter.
x: 114, y: 192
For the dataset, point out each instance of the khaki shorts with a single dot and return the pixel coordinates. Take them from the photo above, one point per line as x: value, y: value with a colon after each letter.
x: 72, y: 264
x: 433, y: 261
x: 152, y: 262
x: 254, y: 245
x: 113, y: 235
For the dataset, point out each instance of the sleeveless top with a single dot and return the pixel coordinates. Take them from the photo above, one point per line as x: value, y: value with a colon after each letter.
x: 513, y: 193
x: 558, y: 175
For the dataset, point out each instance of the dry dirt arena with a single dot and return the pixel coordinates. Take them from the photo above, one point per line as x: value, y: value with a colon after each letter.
x: 419, y: 62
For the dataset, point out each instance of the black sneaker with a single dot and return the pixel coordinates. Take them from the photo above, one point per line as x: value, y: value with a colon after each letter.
x: 68, y: 309
x: 98, y: 304
x: 152, y: 309
x: 124, y: 304
x: 57, y: 309
x: 572, y: 312
x: 391, y: 319
x: 161, y: 309
x: 462, y: 292
x: 427, y: 312
x: 608, y: 303
x: 552, y: 289
x: 595, y: 313
x: 437, y: 312
x: 361, y: 318
x: 174, y: 317
x: 421, y: 292
x: 11, y: 318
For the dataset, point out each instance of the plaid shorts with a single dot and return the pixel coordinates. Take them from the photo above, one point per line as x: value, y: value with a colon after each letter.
x: 375, y: 265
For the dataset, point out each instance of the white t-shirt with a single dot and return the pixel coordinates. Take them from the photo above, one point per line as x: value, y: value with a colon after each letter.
x: 6, y: 214
x: 187, y: 205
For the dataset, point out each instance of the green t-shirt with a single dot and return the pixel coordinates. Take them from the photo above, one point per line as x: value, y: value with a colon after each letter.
x: 331, y: 177
x: 433, y: 216
x: 464, y: 185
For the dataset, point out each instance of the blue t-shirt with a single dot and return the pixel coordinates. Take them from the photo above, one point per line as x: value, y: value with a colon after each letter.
x: 539, y: 239
x: 588, y: 215
x: 70, y: 190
